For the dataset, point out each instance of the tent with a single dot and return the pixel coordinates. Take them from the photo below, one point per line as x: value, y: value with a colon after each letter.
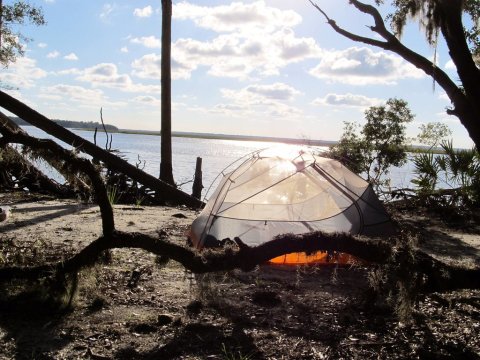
x: 272, y: 193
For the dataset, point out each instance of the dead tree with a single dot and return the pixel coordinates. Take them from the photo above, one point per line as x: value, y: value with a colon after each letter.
x: 166, y: 171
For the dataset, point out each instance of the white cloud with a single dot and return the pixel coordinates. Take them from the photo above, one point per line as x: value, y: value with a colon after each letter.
x: 255, y: 40
x: 75, y: 93
x: 71, y: 57
x: 261, y: 101
x: 86, y: 97
x: 148, y: 41
x: 107, y: 12
x: 42, y: 45
x: 22, y: 73
x: 443, y: 96
x: 237, y: 17
x: 148, y: 100
x: 349, y: 100
x: 235, y: 56
x: 449, y: 65
x: 362, y: 66
x: 124, y: 49
x: 71, y: 71
x: 277, y: 91
x: 148, y: 67
x: 147, y: 11
x: 52, y: 55
x: 105, y: 74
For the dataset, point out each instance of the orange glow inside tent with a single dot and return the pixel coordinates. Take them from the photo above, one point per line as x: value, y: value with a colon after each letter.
x: 319, y: 257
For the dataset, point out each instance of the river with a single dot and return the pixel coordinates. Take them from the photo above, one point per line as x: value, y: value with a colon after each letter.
x: 216, y: 155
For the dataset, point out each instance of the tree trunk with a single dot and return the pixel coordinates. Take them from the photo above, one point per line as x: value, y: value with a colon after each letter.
x: 468, y: 72
x: 167, y: 193
x: 166, y: 171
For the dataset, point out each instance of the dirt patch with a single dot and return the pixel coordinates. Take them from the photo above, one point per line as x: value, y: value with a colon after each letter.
x: 137, y: 307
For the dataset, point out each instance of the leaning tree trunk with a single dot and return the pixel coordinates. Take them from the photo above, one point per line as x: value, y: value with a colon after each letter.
x: 167, y: 193
x: 166, y: 171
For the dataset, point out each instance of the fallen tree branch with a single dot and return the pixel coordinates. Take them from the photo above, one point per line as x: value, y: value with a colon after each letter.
x: 74, y: 163
x: 438, y: 276
x: 165, y: 192
x: 75, y: 182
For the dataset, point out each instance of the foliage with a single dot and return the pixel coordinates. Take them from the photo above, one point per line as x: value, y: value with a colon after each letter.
x: 431, y: 17
x: 12, y: 41
x: 113, y: 195
x: 458, y: 169
x: 350, y: 150
x: 381, y: 143
x: 433, y: 133
x: 427, y: 170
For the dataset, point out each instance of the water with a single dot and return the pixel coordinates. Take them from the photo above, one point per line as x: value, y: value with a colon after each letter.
x: 216, y: 155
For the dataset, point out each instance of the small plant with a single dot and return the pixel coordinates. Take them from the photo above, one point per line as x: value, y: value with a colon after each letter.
x: 139, y: 200
x: 459, y: 170
x: 230, y: 355
x: 113, y: 195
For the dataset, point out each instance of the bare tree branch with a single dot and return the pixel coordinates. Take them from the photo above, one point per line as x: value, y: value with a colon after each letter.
x: 465, y: 107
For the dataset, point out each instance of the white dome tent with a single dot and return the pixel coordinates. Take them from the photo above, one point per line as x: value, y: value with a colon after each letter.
x: 271, y: 194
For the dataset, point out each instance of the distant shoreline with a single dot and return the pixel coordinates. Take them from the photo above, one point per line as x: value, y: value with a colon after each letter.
x: 290, y: 141
x: 195, y: 135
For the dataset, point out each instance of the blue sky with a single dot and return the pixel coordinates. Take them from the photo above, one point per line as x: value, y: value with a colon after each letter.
x: 260, y: 67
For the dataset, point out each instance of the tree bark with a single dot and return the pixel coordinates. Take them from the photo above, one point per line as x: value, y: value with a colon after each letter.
x: 166, y: 171
x: 167, y: 193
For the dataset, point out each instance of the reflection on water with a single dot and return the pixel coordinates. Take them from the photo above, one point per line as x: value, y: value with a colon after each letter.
x: 216, y: 155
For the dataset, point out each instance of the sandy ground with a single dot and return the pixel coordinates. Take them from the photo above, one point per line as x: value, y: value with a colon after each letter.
x: 134, y: 307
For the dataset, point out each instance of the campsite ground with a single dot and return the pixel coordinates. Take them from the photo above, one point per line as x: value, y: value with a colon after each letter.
x: 135, y: 307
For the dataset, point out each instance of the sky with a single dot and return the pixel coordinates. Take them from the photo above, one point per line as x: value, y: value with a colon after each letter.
x: 260, y: 67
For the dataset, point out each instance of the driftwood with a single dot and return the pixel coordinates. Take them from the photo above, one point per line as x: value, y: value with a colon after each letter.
x: 166, y: 193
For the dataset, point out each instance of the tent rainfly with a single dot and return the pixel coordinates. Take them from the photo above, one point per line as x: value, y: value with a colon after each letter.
x: 271, y: 194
